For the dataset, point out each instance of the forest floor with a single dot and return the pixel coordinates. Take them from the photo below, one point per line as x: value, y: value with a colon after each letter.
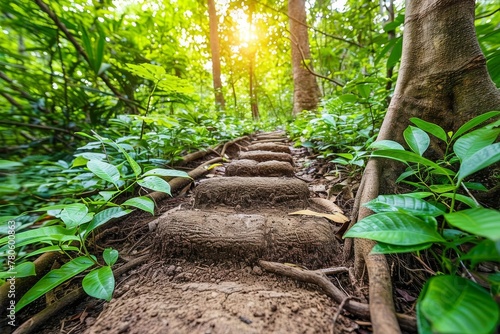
x: 202, y: 269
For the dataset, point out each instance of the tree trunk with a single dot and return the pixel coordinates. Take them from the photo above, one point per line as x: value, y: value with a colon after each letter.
x: 254, y: 104
x: 215, y: 49
x: 306, y: 91
x: 442, y: 79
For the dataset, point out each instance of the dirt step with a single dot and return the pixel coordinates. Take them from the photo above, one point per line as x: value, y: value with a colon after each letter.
x: 269, y: 235
x: 200, y: 299
x: 270, y: 147
x: 261, y: 156
x: 251, y: 193
x: 252, y: 168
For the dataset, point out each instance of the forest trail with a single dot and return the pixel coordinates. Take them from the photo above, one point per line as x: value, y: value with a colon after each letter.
x: 203, y: 274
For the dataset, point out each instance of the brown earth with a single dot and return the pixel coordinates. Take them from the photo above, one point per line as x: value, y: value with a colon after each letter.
x: 203, y: 276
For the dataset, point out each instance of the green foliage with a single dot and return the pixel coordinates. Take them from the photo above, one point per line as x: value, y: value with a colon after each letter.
x: 430, y: 219
x: 66, y: 227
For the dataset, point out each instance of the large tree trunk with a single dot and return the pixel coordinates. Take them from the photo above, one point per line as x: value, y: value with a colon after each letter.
x: 215, y: 49
x: 442, y: 79
x: 306, y: 91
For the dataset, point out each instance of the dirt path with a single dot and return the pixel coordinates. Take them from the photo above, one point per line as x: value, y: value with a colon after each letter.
x: 203, y: 275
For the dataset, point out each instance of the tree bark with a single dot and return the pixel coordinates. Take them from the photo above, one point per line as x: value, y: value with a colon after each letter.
x: 442, y: 79
x: 215, y: 49
x: 306, y: 91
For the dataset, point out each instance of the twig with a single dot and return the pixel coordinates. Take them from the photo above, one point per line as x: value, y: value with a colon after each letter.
x: 337, y: 314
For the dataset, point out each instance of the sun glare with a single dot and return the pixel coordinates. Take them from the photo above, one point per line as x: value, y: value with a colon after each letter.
x: 246, y: 31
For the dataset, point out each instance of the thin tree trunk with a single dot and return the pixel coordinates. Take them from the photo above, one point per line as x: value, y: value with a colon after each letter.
x: 306, y: 91
x: 254, y: 105
x: 215, y: 49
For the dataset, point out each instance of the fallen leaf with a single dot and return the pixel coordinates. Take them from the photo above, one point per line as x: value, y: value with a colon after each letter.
x: 336, y: 217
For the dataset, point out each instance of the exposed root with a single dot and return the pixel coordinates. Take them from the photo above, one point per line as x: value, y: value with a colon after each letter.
x: 50, y: 311
x: 317, y: 277
x: 383, y: 314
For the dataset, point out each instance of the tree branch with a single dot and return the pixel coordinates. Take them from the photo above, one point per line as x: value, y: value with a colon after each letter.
x: 312, y: 28
x: 43, y: 6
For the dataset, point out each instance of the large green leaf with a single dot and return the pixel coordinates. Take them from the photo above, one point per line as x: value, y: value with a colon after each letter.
x: 452, y: 304
x: 57, y: 232
x: 486, y: 250
x: 479, y: 221
x: 53, y: 278
x: 166, y: 172
x: 100, y: 283
x: 472, y: 142
x: 155, y: 183
x: 143, y: 203
x: 54, y: 248
x: 418, y: 140
x: 104, y: 171
x: 104, y: 216
x: 409, y: 204
x: 395, y: 228
x: 481, y: 159
x: 75, y: 215
x: 474, y: 122
x: 406, y: 157
x: 381, y: 248
x: 24, y: 269
x: 386, y: 145
x: 431, y: 128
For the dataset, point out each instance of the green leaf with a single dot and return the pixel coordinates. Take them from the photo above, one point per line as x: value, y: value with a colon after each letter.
x: 110, y: 256
x: 431, y: 128
x: 56, y: 232
x: 442, y: 188
x: 104, y: 171
x: 381, y: 248
x: 75, y: 215
x: 55, y: 248
x: 408, y: 204
x: 166, y: 172
x: 418, y: 140
x: 406, y: 157
x: 396, y: 52
x: 9, y: 165
x: 155, y: 183
x: 452, y: 304
x: 486, y: 250
x: 79, y: 161
x: 348, y: 98
x: 395, y: 228
x: 53, y: 278
x: 133, y: 164
x: 143, y: 203
x: 107, y: 195
x: 472, y: 142
x: 100, y: 283
x: 462, y: 198
x: 386, y: 145
x: 479, y: 221
x: 104, y: 216
x: 481, y: 159
x: 474, y: 122
x: 24, y: 269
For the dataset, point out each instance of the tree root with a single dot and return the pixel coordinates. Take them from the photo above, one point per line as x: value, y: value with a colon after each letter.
x: 50, y: 311
x: 319, y: 278
x: 383, y: 314
x: 178, y: 183
x: 42, y: 266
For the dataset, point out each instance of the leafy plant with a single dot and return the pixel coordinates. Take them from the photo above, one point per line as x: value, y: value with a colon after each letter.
x: 67, y: 227
x: 429, y: 219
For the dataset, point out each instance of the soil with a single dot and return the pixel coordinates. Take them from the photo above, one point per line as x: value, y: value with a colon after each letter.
x: 203, y: 276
